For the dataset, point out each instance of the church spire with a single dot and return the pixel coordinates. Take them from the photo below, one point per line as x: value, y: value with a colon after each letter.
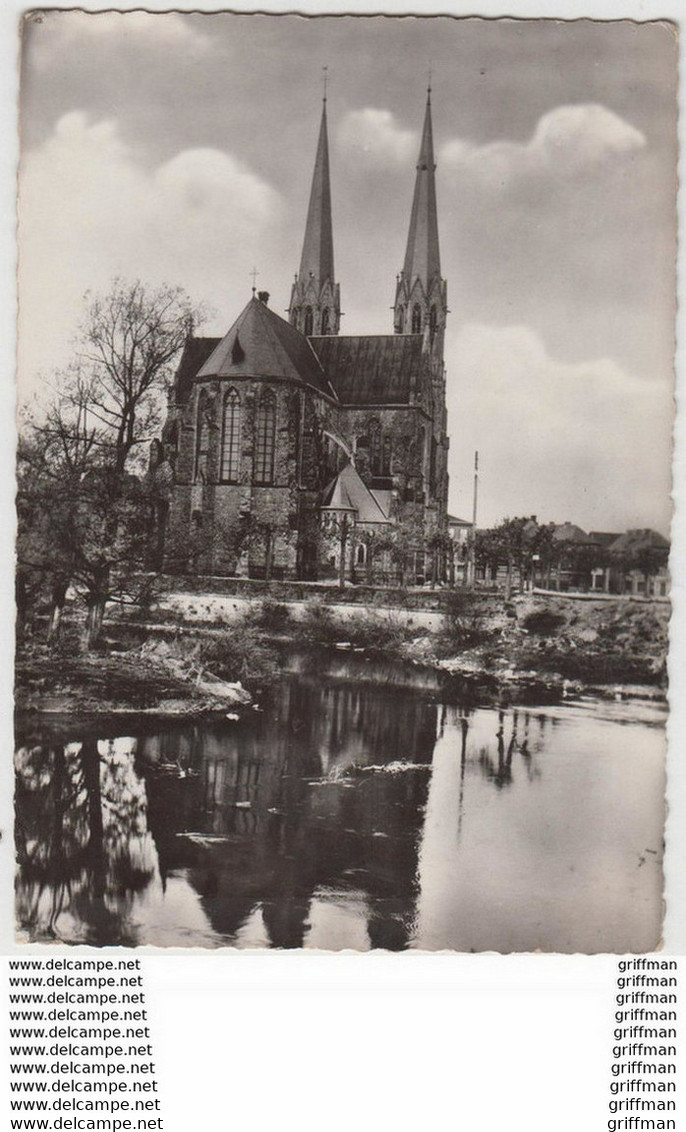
x: 421, y: 294
x: 317, y: 257
x: 315, y: 303
x: 422, y: 258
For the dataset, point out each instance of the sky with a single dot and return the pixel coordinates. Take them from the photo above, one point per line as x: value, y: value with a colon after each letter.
x: 178, y: 148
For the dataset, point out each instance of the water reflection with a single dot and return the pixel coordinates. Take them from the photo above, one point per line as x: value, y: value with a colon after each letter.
x: 345, y: 816
x: 83, y: 844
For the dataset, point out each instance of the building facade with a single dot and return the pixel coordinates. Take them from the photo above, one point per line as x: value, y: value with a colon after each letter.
x: 292, y: 451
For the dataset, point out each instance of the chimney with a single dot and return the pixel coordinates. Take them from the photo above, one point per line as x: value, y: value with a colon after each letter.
x: 263, y: 296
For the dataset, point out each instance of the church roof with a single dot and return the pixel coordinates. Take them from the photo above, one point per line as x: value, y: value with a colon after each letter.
x: 195, y: 353
x: 348, y: 492
x: 260, y: 344
x: 422, y: 257
x: 317, y: 255
x: 372, y: 369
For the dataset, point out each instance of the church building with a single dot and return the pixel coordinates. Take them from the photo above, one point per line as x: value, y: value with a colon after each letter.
x: 293, y: 451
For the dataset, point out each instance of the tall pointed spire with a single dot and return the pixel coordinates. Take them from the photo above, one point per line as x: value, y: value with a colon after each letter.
x: 315, y: 304
x: 317, y: 257
x: 421, y: 298
x: 422, y: 258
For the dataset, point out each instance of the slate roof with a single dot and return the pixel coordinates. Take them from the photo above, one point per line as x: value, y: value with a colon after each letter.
x: 348, y: 492
x: 260, y: 344
x: 372, y: 369
x: 195, y: 354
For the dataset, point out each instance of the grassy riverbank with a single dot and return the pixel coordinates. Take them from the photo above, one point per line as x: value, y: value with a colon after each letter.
x: 587, y: 642
x: 529, y: 644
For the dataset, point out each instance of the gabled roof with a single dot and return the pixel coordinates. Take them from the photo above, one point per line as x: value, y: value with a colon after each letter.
x: 455, y: 522
x: 348, y: 492
x: 260, y: 344
x: 569, y: 532
x: 195, y: 354
x: 372, y: 369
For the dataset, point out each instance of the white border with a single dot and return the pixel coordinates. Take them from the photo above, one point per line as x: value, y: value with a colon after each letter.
x: 10, y: 18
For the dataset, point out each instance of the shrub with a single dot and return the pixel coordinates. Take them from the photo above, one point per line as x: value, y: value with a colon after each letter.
x: 240, y: 654
x: 543, y: 622
x: 362, y: 629
x: 270, y: 615
x: 465, y: 623
x: 319, y: 624
x: 385, y: 634
x: 68, y: 642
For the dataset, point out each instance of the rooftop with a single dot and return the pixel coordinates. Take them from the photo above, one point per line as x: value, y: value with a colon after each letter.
x: 348, y: 492
x: 260, y: 344
x: 372, y: 369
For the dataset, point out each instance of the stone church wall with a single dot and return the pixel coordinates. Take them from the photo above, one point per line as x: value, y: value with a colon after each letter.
x: 244, y: 527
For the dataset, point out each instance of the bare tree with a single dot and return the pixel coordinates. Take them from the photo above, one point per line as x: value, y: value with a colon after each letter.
x: 129, y: 341
x: 82, y: 508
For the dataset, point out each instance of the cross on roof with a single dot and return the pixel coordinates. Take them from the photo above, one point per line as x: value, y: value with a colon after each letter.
x: 254, y: 273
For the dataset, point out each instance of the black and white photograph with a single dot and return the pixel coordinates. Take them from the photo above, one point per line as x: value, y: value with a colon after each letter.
x: 345, y: 408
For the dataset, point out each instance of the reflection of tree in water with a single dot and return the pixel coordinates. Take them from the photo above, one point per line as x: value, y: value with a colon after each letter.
x: 83, y: 848
x: 498, y: 767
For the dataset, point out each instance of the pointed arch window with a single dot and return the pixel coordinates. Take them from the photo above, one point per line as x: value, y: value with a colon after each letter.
x: 202, y: 437
x: 400, y: 319
x: 375, y: 447
x: 411, y: 458
x: 421, y: 456
x: 325, y: 320
x: 433, y: 319
x: 416, y: 319
x: 432, y: 466
x: 309, y: 322
x: 231, y: 438
x: 294, y: 316
x: 265, y: 436
x: 386, y: 453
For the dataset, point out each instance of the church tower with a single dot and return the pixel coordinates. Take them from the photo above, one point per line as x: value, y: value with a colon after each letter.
x: 315, y: 306
x: 421, y: 297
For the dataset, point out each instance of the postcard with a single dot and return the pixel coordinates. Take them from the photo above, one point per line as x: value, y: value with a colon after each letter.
x: 346, y: 379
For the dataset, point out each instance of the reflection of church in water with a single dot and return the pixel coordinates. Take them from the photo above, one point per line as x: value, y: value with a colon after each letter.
x: 299, y: 818
x: 325, y: 823
x: 289, y: 444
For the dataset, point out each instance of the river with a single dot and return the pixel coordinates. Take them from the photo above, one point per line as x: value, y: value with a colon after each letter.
x: 348, y: 815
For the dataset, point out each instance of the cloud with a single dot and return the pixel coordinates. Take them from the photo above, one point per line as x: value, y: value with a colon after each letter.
x: 89, y: 211
x: 377, y: 135
x: 58, y: 33
x: 567, y: 141
x: 583, y: 441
